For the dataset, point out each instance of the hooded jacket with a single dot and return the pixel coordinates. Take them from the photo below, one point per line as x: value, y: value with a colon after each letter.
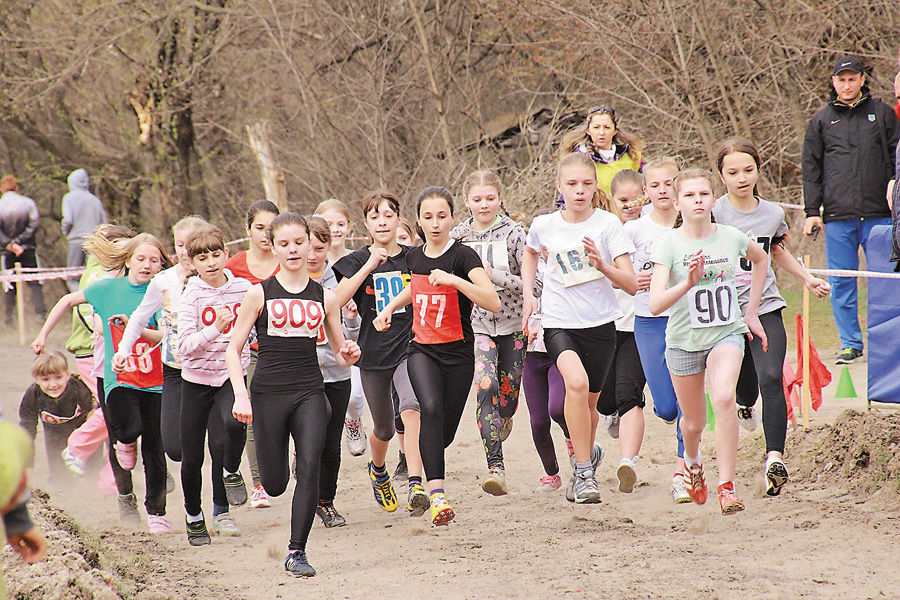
x: 332, y: 372
x: 848, y: 159
x: 19, y: 220
x: 82, y: 211
x: 501, y: 245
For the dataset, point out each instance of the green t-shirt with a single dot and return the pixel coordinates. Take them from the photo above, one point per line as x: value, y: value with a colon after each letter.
x: 115, y: 297
x: 79, y: 342
x: 710, y: 310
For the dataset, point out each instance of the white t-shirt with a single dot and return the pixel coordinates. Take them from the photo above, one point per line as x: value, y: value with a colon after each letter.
x: 576, y: 295
x: 644, y: 232
x: 626, y: 305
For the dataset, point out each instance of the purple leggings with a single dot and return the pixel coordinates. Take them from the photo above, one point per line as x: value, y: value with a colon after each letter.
x: 545, y: 394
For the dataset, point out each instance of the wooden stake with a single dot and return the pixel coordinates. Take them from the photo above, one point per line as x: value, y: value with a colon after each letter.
x: 20, y: 304
x: 806, y: 400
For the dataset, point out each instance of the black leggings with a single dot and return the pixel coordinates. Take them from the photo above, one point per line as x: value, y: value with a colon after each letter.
x: 624, y: 387
x: 303, y: 416
x: 761, y: 373
x: 338, y: 395
x: 377, y: 386
x: 170, y: 417
x: 442, y: 391
x: 131, y: 414
x: 203, y: 408
x: 124, y: 484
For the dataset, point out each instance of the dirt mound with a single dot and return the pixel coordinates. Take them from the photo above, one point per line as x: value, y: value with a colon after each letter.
x: 79, y: 565
x: 859, y: 452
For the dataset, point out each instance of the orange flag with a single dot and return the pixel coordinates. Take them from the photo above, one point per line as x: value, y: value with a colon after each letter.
x: 819, y: 375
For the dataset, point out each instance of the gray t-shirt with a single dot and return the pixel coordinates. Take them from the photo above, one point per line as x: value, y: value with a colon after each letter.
x: 761, y: 224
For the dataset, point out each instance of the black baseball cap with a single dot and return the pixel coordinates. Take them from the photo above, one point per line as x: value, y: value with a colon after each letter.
x: 848, y: 63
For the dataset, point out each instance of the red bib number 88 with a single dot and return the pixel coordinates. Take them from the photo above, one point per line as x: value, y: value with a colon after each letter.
x: 294, y: 318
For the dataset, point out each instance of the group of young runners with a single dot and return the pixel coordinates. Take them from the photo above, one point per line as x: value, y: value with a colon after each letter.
x: 639, y: 276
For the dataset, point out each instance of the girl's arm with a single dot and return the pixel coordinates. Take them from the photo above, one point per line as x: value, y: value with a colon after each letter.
x: 348, y: 285
x: 65, y: 304
x: 663, y: 297
x: 620, y: 273
x: 515, y: 245
x: 193, y: 337
x: 760, y: 266
x: 151, y: 303
x: 346, y: 352
x: 382, y: 322
x: 250, y: 309
x: 783, y: 259
x: 529, y: 272
x: 479, y: 289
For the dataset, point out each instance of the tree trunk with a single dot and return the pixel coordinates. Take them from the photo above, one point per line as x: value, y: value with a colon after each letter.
x: 272, y: 174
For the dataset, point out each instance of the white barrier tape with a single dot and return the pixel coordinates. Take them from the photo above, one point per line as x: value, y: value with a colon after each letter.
x: 10, y: 276
x: 349, y: 239
x: 847, y: 273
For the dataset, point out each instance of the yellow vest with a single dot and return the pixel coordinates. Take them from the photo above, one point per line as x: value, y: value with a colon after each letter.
x: 606, y: 171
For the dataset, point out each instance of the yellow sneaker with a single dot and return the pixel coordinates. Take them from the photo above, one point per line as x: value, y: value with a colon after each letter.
x: 441, y: 512
x: 384, y: 491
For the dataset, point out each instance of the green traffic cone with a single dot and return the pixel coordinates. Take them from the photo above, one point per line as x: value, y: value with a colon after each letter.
x: 710, y: 415
x: 845, y: 387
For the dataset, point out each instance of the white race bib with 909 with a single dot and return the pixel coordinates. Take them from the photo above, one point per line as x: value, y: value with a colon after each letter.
x: 574, y: 266
x: 713, y: 305
x: 294, y: 317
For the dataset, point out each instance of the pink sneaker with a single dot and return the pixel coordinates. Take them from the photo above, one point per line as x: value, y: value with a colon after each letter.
x: 159, y: 523
x: 126, y: 454
x: 549, y: 483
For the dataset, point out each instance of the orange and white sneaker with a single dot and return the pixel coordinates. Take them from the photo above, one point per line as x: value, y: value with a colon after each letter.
x: 259, y: 498
x: 695, y: 483
x: 729, y: 503
x: 441, y: 512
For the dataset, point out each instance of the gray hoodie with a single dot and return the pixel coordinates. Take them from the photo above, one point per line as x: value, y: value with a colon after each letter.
x: 501, y: 245
x: 82, y: 211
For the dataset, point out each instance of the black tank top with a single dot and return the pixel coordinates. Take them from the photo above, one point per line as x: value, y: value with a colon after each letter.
x: 287, y: 328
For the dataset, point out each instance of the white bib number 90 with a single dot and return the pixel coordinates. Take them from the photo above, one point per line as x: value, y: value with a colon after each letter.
x: 713, y: 305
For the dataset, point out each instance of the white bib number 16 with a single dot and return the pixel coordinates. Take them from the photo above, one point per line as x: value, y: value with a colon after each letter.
x: 713, y: 305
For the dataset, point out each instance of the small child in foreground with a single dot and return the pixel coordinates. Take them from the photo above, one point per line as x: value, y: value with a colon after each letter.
x: 60, y: 400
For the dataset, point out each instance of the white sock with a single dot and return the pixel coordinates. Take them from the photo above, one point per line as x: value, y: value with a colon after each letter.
x: 195, y: 518
x: 690, y: 461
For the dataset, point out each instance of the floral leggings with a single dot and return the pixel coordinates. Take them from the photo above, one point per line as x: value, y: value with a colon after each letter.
x: 498, y: 374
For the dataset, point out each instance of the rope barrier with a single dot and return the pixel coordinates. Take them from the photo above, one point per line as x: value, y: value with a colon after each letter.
x: 10, y: 276
x: 848, y: 273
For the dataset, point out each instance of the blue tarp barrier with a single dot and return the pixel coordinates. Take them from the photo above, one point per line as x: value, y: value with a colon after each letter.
x: 883, y: 321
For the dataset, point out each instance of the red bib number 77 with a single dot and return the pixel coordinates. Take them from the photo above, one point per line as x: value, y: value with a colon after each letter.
x: 143, y: 367
x: 436, y: 317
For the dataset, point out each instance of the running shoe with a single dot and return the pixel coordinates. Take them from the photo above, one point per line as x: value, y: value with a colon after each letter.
x: 570, y: 487
x: 384, y: 491
x: 197, y: 533
x: 298, y: 565
x: 679, y: 493
x: 506, y: 424
x: 330, y: 516
x: 495, y: 482
x: 417, y: 502
x: 848, y: 355
x: 401, y: 473
x: 571, y: 450
x: 776, y: 476
x: 441, y: 512
x: 235, y: 490
x: 159, y: 524
x: 225, y: 526
x: 597, y: 455
x: 549, y: 483
x: 128, y: 510
x: 126, y: 454
x: 695, y: 483
x: 627, y: 475
x: 585, y: 489
x: 747, y: 417
x: 729, y: 503
x: 612, y: 425
x: 170, y: 482
x: 75, y: 464
x: 259, y: 498
x: 356, y: 437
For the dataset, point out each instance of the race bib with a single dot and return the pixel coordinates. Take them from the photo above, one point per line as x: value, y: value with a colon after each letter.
x: 713, y: 305
x: 387, y: 286
x: 294, y: 317
x: 208, y: 317
x: 436, y: 317
x: 493, y: 253
x: 143, y: 367
x: 574, y: 266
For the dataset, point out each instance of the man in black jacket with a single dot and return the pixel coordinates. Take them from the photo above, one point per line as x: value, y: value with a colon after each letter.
x: 848, y: 159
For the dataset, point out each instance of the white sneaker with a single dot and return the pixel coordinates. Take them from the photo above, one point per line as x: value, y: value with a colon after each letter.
x: 612, y: 425
x: 356, y: 437
x: 679, y: 493
x: 747, y: 417
x: 627, y: 475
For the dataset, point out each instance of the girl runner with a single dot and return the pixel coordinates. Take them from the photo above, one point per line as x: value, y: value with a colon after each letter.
x: 373, y: 276
x: 133, y: 394
x: 337, y: 215
x: 610, y: 148
x: 579, y: 305
x: 207, y: 309
x: 499, y: 340
x: 288, y: 397
x: 761, y: 372
x: 447, y: 278
x: 693, y: 274
x: 256, y: 264
x: 336, y: 377
x: 622, y: 396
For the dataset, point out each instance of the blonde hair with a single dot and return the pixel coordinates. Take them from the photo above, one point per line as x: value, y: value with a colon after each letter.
x: 578, y: 159
x: 689, y: 174
x: 49, y: 364
x: 488, y: 178
x: 663, y: 162
x: 113, y: 255
x: 189, y: 222
x: 335, y: 205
